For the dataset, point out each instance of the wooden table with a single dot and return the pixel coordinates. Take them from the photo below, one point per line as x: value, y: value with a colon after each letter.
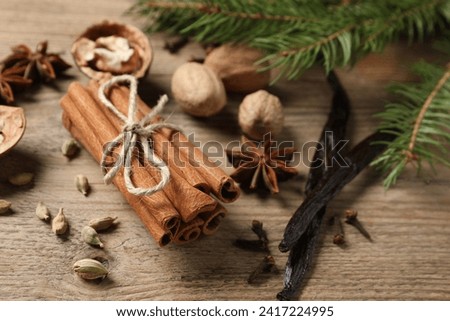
x: 408, y: 260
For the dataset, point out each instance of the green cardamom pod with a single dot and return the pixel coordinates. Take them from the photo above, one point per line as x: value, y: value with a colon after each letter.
x: 70, y: 148
x: 4, y: 206
x: 59, y: 223
x: 90, y: 236
x: 82, y: 184
x: 21, y: 179
x: 104, y: 223
x: 90, y: 269
x: 42, y: 212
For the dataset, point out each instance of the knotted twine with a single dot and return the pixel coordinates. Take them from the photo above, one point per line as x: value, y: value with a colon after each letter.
x: 133, y: 132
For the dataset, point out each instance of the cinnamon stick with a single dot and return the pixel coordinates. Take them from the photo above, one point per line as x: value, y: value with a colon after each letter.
x: 222, y: 186
x: 212, y: 220
x: 88, y: 119
x: 189, y: 232
x: 163, y: 147
x: 193, y: 201
x: 92, y: 145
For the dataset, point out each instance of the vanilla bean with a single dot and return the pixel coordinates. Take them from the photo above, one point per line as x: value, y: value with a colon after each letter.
x: 357, y: 159
x: 301, y: 255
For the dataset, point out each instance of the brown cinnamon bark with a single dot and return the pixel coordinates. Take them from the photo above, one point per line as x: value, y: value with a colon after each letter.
x: 222, y: 186
x: 189, y: 232
x: 189, y: 201
x: 93, y: 131
x: 90, y: 141
x: 213, y: 220
x: 163, y: 147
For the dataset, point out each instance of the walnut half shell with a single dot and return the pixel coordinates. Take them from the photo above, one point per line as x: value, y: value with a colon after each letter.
x: 12, y: 127
x: 109, y: 48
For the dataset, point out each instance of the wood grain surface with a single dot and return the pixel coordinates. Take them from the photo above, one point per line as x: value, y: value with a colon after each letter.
x: 410, y: 224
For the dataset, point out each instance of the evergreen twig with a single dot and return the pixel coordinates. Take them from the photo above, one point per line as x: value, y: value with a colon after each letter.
x: 295, y: 34
x: 420, y: 121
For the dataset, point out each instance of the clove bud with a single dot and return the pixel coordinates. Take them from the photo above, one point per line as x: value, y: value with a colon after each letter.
x: 267, y: 265
x: 351, y: 219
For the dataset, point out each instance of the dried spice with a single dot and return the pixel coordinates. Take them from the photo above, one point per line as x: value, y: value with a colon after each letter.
x: 266, y: 164
x: 42, y: 212
x: 59, y: 223
x: 82, y: 184
x: 339, y: 237
x: 4, y: 206
x: 90, y: 269
x: 198, y: 90
x: 237, y: 67
x: 301, y: 255
x: 11, y: 78
x: 91, y: 237
x: 261, y: 113
x: 267, y: 265
x: 351, y: 219
x: 38, y: 65
x: 70, y: 148
x: 162, y: 213
x: 103, y: 223
x: 357, y: 159
x: 21, y: 179
x: 260, y: 245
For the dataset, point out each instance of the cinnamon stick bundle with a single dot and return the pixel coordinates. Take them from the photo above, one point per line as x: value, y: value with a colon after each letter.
x: 197, y: 168
x: 182, y: 210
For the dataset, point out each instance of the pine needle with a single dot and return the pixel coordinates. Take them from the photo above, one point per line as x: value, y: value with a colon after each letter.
x: 295, y: 34
x: 421, y: 122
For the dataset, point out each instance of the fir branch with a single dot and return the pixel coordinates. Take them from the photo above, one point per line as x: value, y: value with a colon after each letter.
x: 420, y: 121
x: 419, y: 19
x: 217, y: 10
x: 424, y: 109
x: 295, y: 34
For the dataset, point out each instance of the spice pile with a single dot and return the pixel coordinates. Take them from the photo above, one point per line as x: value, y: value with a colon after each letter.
x: 201, y: 90
x: 183, y: 210
x: 24, y: 67
x: 119, y: 130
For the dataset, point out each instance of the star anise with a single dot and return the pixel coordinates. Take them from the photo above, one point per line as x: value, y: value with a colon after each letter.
x: 263, y: 162
x: 9, y: 78
x: 39, y: 64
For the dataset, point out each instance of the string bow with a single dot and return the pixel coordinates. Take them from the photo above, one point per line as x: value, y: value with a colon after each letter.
x: 133, y: 132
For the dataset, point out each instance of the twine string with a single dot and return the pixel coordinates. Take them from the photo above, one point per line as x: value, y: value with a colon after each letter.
x: 134, y: 132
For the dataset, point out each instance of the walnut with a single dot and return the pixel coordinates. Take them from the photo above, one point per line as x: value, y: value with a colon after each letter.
x: 261, y: 113
x: 110, y: 48
x: 198, y: 90
x: 236, y: 66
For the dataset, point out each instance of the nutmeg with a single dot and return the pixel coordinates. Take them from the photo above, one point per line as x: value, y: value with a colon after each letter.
x: 198, y: 90
x: 236, y: 66
x: 261, y: 113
